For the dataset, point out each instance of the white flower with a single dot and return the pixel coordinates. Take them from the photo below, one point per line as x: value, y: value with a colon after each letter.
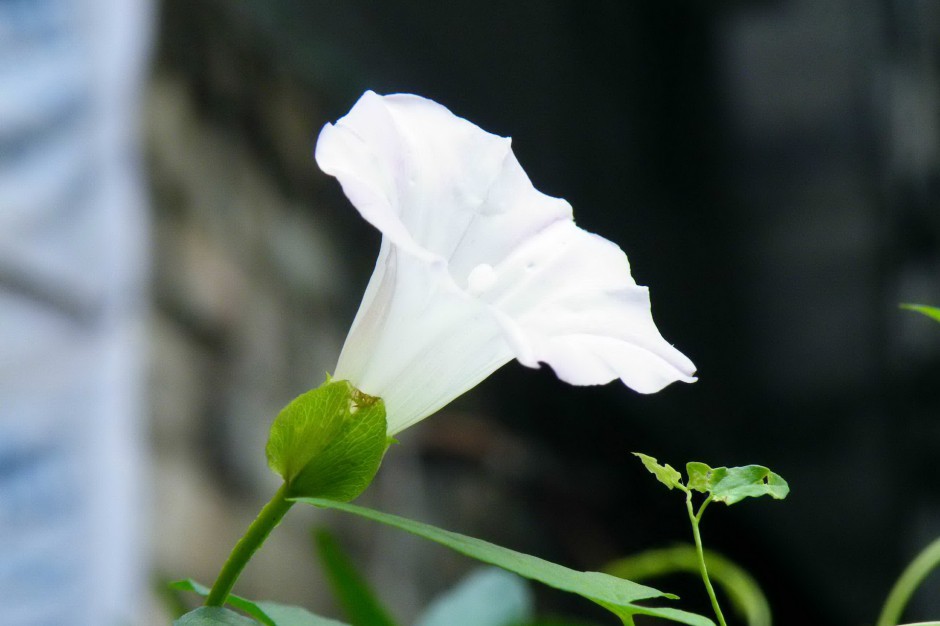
x: 477, y: 267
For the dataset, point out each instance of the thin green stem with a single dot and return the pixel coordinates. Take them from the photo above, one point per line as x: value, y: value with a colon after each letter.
x: 269, y: 517
x: 695, y: 518
x: 910, y: 579
x: 701, y: 509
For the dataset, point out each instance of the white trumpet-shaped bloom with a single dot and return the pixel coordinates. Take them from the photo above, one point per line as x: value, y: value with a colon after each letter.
x: 477, y: 267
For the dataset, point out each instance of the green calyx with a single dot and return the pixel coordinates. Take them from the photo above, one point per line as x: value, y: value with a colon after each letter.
x: 329, y: 442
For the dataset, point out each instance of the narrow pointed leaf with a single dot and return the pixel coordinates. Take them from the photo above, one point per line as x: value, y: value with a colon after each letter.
x: 930, y: 311
x: 616, y: 594
x: 666, y: 474
x: 359, y: 602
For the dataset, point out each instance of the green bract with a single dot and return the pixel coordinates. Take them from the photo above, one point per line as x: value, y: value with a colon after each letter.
x: 329, y: 442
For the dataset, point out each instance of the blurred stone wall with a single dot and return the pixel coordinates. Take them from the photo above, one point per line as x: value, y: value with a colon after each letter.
x: 770, y: 166
x: 244, y: 288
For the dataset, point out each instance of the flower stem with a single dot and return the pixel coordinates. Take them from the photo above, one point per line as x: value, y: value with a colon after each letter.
x: 269, y: 517
x: 695, y: 519
x: 910, y: 579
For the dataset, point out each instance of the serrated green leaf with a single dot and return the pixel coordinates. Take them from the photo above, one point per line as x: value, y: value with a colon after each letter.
x: 359, y: 602
x: 214, y: 616
x: 268, y: 613
x: 700, y: 476
x: 732, y: 484
x: 666, y: 474
x: 615, y: 594
x: 329, y: 441
x: 930, y: 311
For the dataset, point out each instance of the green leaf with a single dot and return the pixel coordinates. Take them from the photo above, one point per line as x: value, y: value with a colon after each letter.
x: 700, y: 476
x: 329, y: 441
x: 487, y: 597
x: 214, y: 616
x: 172, y: 601
x: 733, y: 484
x: 930, y: 311
x: 746, y: 597
x: 911, y: 578
x: 558, y: 621
x: 617, y: 595
x: 359, y: 602
x: 268, y: 613
x: 666, y: 474
x: 286, y: 615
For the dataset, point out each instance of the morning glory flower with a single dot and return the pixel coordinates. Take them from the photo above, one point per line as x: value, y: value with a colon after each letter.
x: 477, y: 267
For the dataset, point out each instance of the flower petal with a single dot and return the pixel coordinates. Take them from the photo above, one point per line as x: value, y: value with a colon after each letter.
x: 476, y: 267
x: 417, y: 341
x: 566, y: 298
x: 436, y: 185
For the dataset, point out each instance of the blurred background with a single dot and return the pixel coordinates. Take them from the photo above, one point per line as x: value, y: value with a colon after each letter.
x: 771, y: 168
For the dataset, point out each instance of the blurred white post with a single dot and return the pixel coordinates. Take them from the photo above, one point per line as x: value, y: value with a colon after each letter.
x: 73, y: 258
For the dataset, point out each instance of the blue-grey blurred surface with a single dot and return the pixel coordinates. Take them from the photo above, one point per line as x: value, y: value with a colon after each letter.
x: 73, y: 252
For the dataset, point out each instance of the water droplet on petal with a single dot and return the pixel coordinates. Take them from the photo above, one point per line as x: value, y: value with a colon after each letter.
x: 481, y: 278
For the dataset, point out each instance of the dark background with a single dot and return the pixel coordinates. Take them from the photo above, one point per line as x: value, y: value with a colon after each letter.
x: 771, y: 169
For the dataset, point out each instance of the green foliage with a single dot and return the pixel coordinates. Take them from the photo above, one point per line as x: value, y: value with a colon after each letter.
x: 914, y: 574
x: 329, y: 441
x: 745, y: 595
x: 171, y: 599
x: 487, y: 597
x: 930, y: 311
x: 357, y: 599
x: 666, y: 474
x: 287, y: 615
x: 723, y: 484
x: 617, y: 595
x: 267, y: 613
x: 700, y: 476
x: 214, y: 616
x: 558, y: 621
x: 732, y: 484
